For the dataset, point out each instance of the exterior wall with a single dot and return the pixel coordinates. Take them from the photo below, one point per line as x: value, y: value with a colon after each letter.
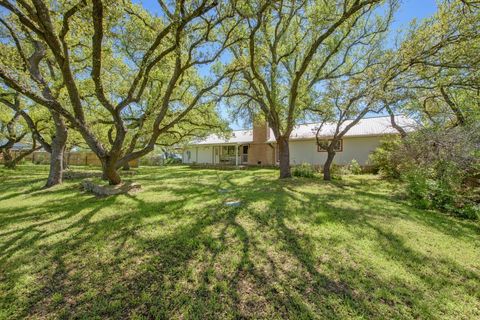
x: 353, y: 148
x: 200, y: 155
x: 261, y: 153
x: 208, y: 155
x: 204, y: 155
x: 300, y: 152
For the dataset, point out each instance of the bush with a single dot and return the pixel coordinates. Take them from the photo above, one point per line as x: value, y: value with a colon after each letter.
x: 173, y: 161
x: 441, y: 168
x: 337, y: 171
x: 354, y: 167
x: 383, y: 158
x: 304, y: 170
x: 152, y: 160
x: 418, y: 188
x: 426, y: 191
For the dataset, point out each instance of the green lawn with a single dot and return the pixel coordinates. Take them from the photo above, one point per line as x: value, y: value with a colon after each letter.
x: 301, y: 248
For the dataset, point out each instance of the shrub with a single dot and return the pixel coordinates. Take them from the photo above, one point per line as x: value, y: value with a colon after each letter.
x: 354, y: 167
x: 383, y: 158
x: 337, y: 171
x: 447, y: 194
x: 304, y: 170
x: 441, y: 167
x: 173, y: 161
x: 418, y: 189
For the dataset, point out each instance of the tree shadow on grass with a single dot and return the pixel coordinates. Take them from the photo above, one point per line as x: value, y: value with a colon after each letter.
x: 177, y: 252
x: 442, y: 222
x: 435, y: 274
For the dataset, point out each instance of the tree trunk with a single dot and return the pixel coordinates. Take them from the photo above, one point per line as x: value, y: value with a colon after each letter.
x: 328, y: 165
x: 66, y: 164
x: 11, y: 165
x: 110, y: 172
x: 126, y: 166
x: 284, y: 158
x: 8, y: 159
x: 456, y: 110
x: 11, y: 162
x: 58, y: 144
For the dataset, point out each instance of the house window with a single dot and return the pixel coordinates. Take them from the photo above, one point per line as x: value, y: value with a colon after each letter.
x: 322, y: 145
x: 245, y: 150
x: 228, y: 151
x: 189, y: 155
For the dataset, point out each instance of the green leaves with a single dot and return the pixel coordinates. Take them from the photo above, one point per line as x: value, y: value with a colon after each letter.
x: 436, y: 67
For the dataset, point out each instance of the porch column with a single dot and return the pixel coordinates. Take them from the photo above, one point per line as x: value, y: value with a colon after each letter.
x: 236, y: 155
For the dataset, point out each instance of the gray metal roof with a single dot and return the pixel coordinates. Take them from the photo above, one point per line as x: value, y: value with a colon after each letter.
x: 377, y: 126
x: 237, y: 137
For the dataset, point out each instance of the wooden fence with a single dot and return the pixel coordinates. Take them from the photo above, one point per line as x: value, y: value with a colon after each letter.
x: 71, y: 158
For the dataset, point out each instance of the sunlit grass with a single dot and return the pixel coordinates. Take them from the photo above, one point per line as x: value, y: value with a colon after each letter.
x: 301, y: 248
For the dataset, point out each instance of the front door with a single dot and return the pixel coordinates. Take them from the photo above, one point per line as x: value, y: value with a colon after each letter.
x: 216, y: 155
x: 244, y: 154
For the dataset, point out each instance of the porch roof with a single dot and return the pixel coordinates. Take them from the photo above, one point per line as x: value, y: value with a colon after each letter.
x: 236, y: 137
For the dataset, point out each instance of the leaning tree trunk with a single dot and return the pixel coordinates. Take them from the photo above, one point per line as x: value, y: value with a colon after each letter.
x: 58, y: 144
x: 328, y: 165
x: 400, y: 130
x: 11, y: 162
x: 110, y: 172
x: 8, y: 159
x: 284, y: 158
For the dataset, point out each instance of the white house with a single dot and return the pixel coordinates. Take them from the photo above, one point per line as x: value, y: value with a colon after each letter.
x: 258, y: 147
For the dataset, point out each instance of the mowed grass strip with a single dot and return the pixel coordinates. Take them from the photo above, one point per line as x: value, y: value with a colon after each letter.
x: 302, y: 248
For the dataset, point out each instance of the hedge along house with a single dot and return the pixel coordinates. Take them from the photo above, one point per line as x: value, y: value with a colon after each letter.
x: 258, y: 146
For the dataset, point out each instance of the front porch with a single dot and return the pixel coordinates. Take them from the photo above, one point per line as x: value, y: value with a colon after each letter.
x: 235, y: 154
x: 231, y: 154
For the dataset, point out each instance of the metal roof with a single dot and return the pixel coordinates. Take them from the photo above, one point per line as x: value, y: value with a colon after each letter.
x: 377, y: 126
x: 236, y: 137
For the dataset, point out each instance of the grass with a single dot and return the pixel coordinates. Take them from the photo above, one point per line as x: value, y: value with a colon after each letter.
x: 302, y: 248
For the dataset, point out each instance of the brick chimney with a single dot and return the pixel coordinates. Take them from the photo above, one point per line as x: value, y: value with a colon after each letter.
x: 261, y: 132
x: 260, y: 152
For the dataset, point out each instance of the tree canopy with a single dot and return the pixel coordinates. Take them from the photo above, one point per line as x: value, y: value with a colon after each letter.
x: 119, y: 79
x: 291, y: 47
x: 119, y: 75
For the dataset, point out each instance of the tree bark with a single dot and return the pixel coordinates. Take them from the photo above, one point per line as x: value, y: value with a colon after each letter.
x: 456, y: 110
x: 11, y: 162
x: 400, y: 130
x: 66, y: 163
x: 58, y: 144
x: 8, y: 159
x: 110, y: 172
x: 55, y: 176
x: 328, y: 165
x: 284, y: 158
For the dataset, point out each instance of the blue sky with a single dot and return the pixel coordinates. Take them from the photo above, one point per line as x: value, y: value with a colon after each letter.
x: 409, y: 10
x: 413, y: 9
